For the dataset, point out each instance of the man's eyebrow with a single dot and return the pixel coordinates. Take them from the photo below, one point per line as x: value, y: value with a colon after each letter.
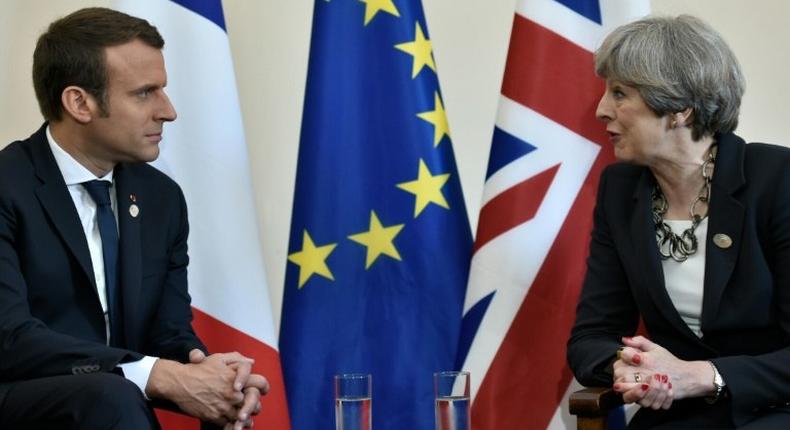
x: 146, y: 87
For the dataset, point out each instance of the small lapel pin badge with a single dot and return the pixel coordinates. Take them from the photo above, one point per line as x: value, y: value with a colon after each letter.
x: 722, y: 240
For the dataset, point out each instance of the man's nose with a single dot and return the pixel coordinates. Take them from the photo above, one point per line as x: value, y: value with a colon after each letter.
x: 167, y: 112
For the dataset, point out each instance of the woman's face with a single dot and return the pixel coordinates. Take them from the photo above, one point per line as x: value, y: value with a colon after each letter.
x: 637, y: 133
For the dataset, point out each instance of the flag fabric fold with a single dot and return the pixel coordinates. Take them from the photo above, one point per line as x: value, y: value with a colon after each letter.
x: 535, y: 219
x: 205, y: 151
x: 380, y: 243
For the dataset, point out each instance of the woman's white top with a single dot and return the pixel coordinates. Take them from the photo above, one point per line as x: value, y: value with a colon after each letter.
x: 684, y: 281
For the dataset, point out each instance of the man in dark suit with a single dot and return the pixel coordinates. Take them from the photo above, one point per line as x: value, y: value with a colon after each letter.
x: 95, y: 318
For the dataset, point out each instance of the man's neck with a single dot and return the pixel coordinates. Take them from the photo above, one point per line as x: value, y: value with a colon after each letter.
x: 70, y: 137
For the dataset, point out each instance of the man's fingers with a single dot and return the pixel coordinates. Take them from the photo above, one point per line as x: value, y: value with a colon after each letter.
x: 259, y: 382
x: 246, y: 424
x: 196, y: 356
x: 235, y: 398
x: 234, y: 357
x: 252, y: 399
x: 243, y: 370
x: 230, y: 358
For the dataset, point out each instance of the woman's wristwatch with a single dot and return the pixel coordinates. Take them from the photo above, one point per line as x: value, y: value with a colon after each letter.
x: 718, y: 384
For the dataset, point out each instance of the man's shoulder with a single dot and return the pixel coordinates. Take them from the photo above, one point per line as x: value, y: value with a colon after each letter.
x: 16, y: 160
x: 17, y: 149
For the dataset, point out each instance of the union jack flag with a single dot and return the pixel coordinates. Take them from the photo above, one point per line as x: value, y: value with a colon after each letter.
x: 532, y: 240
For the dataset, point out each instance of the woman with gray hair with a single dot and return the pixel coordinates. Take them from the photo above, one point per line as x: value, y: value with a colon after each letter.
x: 691, y: 236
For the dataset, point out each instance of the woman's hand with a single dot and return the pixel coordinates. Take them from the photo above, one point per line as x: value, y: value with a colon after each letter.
x: 642, y: 359
x: 641, y: 385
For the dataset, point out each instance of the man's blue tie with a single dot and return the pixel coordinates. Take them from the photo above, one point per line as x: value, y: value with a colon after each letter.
x: 100, y: 193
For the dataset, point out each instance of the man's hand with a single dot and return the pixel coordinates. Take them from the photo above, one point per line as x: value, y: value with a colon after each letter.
x: 203, y: 390
x: 252, y: 386
x: 252, y: 403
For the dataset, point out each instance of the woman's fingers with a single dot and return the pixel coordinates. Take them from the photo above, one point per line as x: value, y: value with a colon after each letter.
x: 639, y: 342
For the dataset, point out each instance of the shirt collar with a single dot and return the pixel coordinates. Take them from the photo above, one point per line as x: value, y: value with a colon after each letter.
x: 73, y: 172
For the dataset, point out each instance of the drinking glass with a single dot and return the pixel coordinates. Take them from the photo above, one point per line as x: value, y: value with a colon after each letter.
x: 452, y: 405
x: 353, y: 401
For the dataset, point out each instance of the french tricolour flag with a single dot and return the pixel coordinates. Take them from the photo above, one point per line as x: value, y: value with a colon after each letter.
x: 532, y: 240
x: 206, y: 153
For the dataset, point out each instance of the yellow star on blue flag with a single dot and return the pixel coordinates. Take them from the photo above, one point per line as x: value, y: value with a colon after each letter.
x: 438, y: 119
x: 378, y: 240
x: 311, y: 259
x: 372, y: 7
x: 420, y: 49
x: 427, y: 189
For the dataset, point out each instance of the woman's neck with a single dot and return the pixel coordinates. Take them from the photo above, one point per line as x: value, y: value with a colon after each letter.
x: 680, y: 177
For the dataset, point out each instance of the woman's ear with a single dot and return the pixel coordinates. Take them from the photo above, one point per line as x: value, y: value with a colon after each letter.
x: 78, y: 104
x: 682, y: 118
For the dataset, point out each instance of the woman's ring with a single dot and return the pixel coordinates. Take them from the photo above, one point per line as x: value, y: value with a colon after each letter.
x: 637, y: 377
x: 620, y: 352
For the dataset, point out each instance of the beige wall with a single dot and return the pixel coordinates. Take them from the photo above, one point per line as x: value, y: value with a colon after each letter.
x: 270, y: 42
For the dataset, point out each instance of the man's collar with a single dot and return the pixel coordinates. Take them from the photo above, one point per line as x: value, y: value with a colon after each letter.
x: 73, y: 172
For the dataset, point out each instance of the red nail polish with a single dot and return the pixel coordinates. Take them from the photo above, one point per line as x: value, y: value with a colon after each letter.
x: 627, y: 338
x: 644, y: 387
x: 664, y: 378
x: 616, y: 386
x: 670, y: 385
x: 657, y: 377
x: 636, y: 359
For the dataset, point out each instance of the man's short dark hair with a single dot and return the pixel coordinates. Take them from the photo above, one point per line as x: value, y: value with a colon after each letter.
x: 71, y: 52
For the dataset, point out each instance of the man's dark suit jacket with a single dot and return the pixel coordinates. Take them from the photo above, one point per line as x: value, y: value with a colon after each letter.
x: 51, y: 321
x: 746, y: 299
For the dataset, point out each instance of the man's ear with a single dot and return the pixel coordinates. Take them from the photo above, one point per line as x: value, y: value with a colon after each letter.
x: 78, y: 104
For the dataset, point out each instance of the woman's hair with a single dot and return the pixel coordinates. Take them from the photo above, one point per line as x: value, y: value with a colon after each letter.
x: 677, y: 63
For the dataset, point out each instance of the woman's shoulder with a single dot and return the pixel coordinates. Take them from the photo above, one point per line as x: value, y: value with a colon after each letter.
x: 767, y: 151
x: 754, y: 150
x: 757, y: 159
x: 765, y: 159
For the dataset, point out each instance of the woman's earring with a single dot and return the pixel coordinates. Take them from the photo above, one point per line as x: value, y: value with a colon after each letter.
x: 673, y: 124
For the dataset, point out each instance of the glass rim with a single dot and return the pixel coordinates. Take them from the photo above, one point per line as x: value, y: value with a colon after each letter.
x: 452, y: 373
x: 352, y: 376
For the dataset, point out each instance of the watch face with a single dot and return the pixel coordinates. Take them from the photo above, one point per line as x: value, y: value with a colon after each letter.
x: 718, y: 381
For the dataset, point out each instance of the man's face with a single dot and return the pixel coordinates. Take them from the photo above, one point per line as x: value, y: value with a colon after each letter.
x: 137, y: 106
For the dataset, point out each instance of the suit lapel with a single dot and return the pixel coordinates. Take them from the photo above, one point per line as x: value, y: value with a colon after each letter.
x: 58, y: 204
x: 726, y: 216
x: 130, y: 210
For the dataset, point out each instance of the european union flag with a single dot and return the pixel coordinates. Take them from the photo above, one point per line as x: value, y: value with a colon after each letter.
x: 380, y: 241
